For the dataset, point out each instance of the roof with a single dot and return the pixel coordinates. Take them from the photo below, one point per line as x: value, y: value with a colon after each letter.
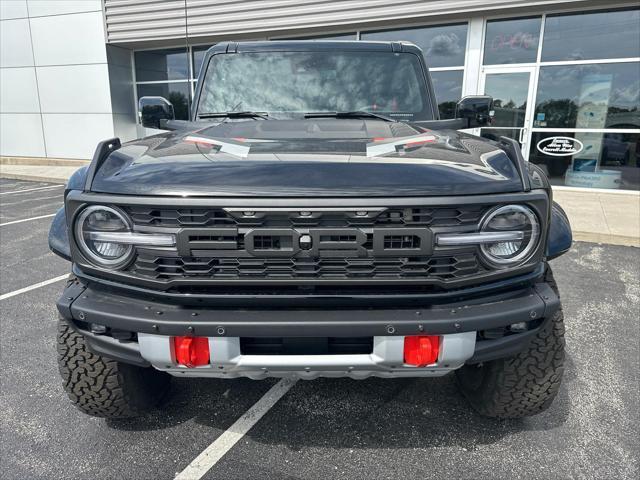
x: 315, y: 45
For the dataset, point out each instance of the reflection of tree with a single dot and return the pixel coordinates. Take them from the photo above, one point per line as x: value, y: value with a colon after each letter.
x: 564, y: 113
x: 510, y: 104
x: 180, y: 105
x: 559, y: 113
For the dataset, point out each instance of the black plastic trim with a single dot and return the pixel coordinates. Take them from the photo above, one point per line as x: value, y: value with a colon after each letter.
x: 147, y: 316
x: 508, y: 346
x: 512, y: 148
x: 103, y: 150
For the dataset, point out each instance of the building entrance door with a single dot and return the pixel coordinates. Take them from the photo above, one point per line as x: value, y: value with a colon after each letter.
x: 512, y: 90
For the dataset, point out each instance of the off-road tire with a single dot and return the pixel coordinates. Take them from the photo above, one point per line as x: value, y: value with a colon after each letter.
x: 103, y: 387
x: 524, y: 384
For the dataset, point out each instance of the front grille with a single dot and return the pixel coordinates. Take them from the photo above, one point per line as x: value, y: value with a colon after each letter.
x: 323, y: 244
x: 443, y: 268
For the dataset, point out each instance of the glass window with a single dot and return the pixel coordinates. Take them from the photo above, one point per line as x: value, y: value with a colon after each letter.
x: 179, y: 94
x: 588, y: 159
x: 448, y: 88
x: 509, y: 92
x: 612, y: 34
x: 153, y: 65
x: 443, y: 46
x: 512, y: 41
x: 495, y: 133
x: 299, y: 82
x: 589, y: 96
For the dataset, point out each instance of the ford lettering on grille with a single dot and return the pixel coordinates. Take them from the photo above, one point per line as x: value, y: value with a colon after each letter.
x: 305, y: 242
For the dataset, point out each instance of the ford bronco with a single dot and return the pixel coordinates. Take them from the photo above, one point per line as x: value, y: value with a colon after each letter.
x: 313, y: 218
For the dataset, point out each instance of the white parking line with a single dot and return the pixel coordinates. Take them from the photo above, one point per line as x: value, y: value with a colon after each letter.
x: 33, y: 287
x: 214, y: 452
x: 27, y: 219
x: 31, y: 189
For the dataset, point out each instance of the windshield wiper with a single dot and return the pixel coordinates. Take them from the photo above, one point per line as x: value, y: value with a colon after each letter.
x: 243, y: 114
x: 356, y: 114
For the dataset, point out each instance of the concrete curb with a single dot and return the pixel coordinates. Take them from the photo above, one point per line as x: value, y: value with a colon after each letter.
x: 33, y: 178
x: 606, y: 239
x: 50, y: 162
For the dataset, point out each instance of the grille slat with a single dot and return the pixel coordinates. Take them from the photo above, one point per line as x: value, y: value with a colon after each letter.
x: 215, y: 217
x: 165, y: 268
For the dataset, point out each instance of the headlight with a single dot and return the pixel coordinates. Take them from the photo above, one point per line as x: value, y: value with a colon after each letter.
x: 92, y: 229
x: 516, y: 220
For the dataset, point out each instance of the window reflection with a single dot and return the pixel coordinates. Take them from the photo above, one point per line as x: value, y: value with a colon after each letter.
x: 495, y: 133
x: 179, y: 94
x: 337, y: 36
x: 589, y: 96
x: 509, y: 92
x: 512, y: 41
x: 601, y: 160
x: 443, y: 46
x: 448, y: 89
x: 600, y: 35
x: 198, y: 57
x: 156, y: 65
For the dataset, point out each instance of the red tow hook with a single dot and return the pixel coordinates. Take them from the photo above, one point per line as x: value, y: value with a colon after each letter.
x: 191, y: 351
x: 421, y: 350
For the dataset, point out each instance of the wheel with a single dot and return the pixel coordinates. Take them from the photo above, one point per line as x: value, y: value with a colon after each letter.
x: 102, y: 387
x: 524, y: 384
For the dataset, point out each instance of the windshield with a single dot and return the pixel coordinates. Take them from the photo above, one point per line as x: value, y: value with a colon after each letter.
x: 290, y: 84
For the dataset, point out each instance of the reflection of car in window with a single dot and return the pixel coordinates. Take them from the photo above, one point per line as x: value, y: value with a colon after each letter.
x: 314, y: 218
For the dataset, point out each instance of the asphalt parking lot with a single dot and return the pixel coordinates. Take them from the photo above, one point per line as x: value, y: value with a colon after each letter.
x: 329, y: 428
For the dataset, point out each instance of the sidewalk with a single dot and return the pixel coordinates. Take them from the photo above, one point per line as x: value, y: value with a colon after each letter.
x: 602, y: 217
x: 599, y: 217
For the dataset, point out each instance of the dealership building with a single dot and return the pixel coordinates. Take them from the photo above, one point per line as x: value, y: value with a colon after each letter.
x: 564, y: 75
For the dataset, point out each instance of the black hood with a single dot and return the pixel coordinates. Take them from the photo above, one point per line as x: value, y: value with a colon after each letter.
x: 319, y: 157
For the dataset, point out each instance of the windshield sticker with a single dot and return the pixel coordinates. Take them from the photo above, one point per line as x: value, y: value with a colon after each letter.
x: 560, y: 146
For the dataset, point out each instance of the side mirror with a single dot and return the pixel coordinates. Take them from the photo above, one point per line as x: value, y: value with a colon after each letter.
x: 476, y: 109
x: 154, y: 111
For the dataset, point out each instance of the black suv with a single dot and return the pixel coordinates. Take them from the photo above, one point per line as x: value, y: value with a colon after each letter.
x: 315, y: 217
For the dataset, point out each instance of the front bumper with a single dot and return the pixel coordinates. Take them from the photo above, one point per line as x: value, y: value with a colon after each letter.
x: 460, y: 322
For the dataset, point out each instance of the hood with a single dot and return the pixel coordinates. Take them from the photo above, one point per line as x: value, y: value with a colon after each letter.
x: 319, y: 157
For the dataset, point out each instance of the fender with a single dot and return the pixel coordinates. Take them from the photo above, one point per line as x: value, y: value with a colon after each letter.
x: 58, y: 232
x: 59, y: 236
x: 77, y: 180
x: 560, y: 237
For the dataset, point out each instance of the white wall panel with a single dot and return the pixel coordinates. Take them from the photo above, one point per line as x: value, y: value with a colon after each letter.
x: 21, y: 135
x: 18, y: 90
x: 68, y: 39
x: 75, y: 135
x: 41, y: 8
x: 74, y: 89
x: 15, y: 43
x: 13, y: 9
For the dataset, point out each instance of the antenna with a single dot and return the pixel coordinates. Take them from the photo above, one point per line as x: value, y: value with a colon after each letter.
x: 189, y: 57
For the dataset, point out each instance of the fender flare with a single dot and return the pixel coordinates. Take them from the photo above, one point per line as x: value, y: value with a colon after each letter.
x: 560, y: 236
